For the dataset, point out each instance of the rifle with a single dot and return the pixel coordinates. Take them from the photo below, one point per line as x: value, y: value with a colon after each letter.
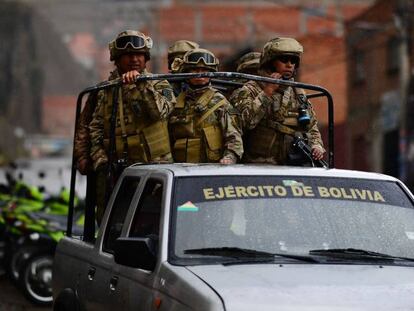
x: 110, y: 172
x: 304, y: 148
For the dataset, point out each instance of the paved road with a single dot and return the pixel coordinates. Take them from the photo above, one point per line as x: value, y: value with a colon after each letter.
x: 11, y: 299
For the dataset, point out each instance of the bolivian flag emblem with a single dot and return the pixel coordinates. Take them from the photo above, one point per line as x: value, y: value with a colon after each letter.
x: 188, y: 207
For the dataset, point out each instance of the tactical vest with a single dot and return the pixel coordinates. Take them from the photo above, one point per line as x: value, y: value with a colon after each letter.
x: 273, y: 136
x: 137, y: 137
x: 197, y: 136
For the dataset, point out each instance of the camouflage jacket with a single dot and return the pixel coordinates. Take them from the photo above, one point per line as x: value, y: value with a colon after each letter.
x: 225, y: 117
x: 233, y: 99
x: 143, y: 104
x: 256, y: 108
x: 82, y: 138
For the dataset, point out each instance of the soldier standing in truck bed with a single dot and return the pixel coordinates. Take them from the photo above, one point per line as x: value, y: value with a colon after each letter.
x: 141, y: 129
x: 203, y: 126
x: 249, y: 64
x: 273, y: 115
x: 177, y: 50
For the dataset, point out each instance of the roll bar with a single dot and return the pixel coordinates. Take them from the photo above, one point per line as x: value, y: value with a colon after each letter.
x: 218, y: 77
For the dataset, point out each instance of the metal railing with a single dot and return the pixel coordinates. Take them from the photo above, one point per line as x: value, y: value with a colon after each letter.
x: 217, y: 77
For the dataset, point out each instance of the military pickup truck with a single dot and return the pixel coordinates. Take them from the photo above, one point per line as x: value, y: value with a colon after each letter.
x: 244, y: 237
x: 241, y: 237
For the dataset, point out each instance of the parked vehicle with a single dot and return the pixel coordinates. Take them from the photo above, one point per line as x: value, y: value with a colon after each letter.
x: 31, y: 226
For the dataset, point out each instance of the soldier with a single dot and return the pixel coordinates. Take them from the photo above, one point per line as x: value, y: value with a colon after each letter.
x: 249, y: 63
x: 202, y: 125
x: 274, y: 114
x: 177, y: 50
x: 141, y: 130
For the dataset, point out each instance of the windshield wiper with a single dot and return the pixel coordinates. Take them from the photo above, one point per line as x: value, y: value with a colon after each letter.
x: 229, y: 252
x: 248, y: 255
x: 355, y: 253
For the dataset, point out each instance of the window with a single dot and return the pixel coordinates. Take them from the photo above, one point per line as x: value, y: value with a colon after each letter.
x: 119, y: 211
x: 146, y: 220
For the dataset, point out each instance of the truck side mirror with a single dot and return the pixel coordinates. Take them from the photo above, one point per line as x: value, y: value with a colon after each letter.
x: 136, y: 252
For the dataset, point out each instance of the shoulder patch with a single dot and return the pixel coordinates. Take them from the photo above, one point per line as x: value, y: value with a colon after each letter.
x: 167, y: 93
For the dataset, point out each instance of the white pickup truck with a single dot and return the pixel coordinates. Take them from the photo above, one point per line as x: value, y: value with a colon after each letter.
x: 244, y: 237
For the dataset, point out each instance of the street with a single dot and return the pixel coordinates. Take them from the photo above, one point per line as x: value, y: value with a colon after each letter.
x: 11, y: 299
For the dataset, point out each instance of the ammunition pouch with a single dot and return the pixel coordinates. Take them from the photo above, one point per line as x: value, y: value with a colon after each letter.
x: 136, y: 149
x: 191, y: 149
x: 187, y: 150
x: 151, y: 143
x: 156, y: 139
x: 213, y: 142
x: 275, y: 140
x: 263, y: 142
x: 182, y: 126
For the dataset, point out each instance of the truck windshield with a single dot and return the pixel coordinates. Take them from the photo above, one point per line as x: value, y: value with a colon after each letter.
x: 290, y: 214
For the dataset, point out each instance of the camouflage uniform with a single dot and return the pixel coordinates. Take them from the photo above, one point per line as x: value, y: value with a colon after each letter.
x: 207, y: 141
x: 202, y: 125
x: 177, y: 50
x: 249, y: 63
x: 82, y: 138
x: 271, y: 122
x: 146, y: 138
x: 141, y: 128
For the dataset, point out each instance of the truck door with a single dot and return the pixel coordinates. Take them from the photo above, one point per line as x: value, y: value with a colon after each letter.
x: 134, y: 286
x: 99, y: 284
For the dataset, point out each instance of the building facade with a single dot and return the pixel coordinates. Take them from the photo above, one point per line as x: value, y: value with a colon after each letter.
x: 379, y: 71
x: 226, y: 27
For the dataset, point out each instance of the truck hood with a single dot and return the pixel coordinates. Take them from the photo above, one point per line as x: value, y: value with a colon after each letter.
x: 310, y: 287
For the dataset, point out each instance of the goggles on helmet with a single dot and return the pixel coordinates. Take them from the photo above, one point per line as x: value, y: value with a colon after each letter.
x: 135, y: 42
x: 194, y: 58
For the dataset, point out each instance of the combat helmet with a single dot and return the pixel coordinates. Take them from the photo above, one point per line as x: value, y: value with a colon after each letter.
x: 130, y: 41
x: 280, y: 46
x: 196, y: 58
x: 179, y: 48
x: 249, y: 63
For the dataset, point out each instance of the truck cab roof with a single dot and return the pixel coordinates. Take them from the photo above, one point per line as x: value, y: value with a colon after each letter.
x: 207, y: 169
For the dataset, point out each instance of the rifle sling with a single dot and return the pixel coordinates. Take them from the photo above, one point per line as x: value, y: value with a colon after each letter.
x: 121, y: 119
x: 281, y: 128
x: 211, y: 110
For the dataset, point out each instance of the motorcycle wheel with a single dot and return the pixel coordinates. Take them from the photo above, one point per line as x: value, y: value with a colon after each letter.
x: 35, y: 279
x: 17, y: 260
